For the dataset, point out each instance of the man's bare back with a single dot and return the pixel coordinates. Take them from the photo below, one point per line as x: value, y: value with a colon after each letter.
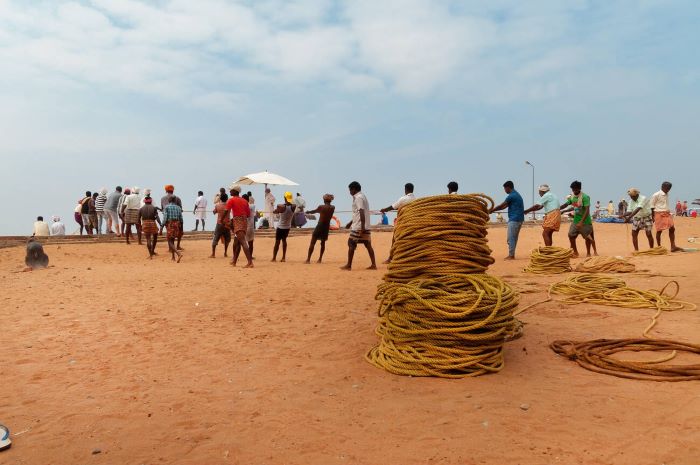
x: 325, y: 213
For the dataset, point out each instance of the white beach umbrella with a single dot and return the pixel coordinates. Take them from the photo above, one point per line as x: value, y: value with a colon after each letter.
x: 266, y: 178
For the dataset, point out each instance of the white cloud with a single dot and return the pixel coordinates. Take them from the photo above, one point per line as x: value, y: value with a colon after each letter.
x: 179, y: 50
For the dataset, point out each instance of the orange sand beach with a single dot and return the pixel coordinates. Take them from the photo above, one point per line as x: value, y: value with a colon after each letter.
x: 109, y: 358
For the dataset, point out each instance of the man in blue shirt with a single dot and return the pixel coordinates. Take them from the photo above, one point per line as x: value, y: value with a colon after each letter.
x: 516, y: 216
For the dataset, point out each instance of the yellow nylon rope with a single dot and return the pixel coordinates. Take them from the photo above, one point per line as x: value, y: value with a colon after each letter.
x: 654, y: 251
x: 605, y: 265
x: 550, y: 260
x: 439, y: 313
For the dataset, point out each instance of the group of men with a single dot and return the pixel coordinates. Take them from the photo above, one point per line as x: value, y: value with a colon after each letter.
x: 235, y: 218
x: 644, y: 214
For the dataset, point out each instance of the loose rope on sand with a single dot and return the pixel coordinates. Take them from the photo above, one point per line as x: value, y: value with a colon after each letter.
x: 597, y: 355
x: 654, y: 251
x: 550, y: 260
x: 605, y: 265
x: 439, y: 314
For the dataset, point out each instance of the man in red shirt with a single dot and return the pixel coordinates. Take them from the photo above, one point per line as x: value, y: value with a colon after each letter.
x: 240, y: 211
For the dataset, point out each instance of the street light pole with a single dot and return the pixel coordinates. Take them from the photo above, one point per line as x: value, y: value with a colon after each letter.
x: 534, y: 217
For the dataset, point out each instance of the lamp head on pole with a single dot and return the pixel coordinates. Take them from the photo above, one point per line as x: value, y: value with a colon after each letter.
x: 528, y: 163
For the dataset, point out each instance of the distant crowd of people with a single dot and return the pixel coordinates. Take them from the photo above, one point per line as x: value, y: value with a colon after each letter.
x: 237, y: 217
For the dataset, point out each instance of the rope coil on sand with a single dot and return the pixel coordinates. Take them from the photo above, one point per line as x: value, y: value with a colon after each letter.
x: 605, y: 265
x: 597, y: 355
x: 654, y: 251
x: 439, y: 314
x: 550, y: 260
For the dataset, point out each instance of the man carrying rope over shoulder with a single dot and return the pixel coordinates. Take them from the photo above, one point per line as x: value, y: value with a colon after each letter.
x: 552, y: 219
x: 516, y: 216
x: 407, y: 198
x: 583, y: 224
x: 640, y: 215
x: 359, y: 226
x: 662, y: 216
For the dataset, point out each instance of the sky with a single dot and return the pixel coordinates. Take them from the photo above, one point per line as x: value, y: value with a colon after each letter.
x: 105, y: 92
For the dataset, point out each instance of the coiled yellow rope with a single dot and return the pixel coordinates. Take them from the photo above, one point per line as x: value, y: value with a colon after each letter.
x: 439, y: 314
x: 550, y: 260
x: 654, y: 251
x: 441, y: 235
x: 605, y: 265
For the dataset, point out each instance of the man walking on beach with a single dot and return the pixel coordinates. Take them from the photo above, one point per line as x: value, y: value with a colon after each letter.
x: 240, y: 212
x: 150, y: 223
x: 640, y: 215
x: 516, y: 216
x: 662, y: 216
x: 250, y: 232
x: 200, y: 210
x: 172, y: 219
x: 359, y: 226
x: 552, y: 214
x: 582, y: 224
x: 223, y: 225
x: 407, y: 198
x: 323, y: 226
x: 165, y: 201
x: 111, y: 208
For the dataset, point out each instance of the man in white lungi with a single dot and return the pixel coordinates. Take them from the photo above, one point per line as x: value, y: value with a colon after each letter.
x: 200, y: 210
x: 270, y: 208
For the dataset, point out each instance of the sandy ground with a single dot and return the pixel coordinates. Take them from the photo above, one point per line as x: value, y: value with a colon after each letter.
x: 108, y: 358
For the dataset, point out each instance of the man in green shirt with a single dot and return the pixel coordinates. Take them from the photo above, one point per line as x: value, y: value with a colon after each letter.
x: 583, y: 223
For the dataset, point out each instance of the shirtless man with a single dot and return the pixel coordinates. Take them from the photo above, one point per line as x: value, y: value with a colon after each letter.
x: 323, y: 227
x: 150, y: 223
x: 223, y: 225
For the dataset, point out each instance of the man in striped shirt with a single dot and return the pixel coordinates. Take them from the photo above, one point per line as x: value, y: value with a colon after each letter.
x: 100, y: 202
x: 172, y: 219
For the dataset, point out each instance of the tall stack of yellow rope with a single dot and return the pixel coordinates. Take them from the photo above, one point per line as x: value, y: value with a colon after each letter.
x: 439, y: 313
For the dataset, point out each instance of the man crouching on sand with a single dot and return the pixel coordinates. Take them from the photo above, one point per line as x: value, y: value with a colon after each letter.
x: 36, y: 258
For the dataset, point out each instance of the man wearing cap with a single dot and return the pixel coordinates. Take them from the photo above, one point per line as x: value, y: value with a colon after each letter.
x: 662, y: 216
x: 552, y: 214
x: 150, y: 222
x: 286, y: 213
x: 57, y: 228
x: 323, y: 226
x: 165, y: 201
x: 640, y: 216
x: 240, y: 212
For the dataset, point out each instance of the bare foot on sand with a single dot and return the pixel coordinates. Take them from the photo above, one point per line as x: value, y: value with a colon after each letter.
x: 346, y: 268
